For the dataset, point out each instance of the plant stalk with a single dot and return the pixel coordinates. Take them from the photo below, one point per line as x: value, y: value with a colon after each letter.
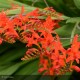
x: 73, y: 32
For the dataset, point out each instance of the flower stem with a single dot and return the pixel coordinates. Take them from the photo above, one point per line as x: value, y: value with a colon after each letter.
x: 73, y: 31
x: 46, y: 3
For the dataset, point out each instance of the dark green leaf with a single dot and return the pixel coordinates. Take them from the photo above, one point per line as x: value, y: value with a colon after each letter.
x: 77, y: 3
x: 73, y: 20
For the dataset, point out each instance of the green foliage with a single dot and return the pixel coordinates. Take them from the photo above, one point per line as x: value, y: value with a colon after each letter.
x: 11, y: 54
x: 68, y: 9
x: 73, y: 20
x: 77, y: 3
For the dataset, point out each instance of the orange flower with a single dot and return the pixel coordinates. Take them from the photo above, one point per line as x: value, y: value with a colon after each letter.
x: 1, y: 40
x: 76, y: 68
x: 49, y: 24
x: 74, y: 52
x: 3, y: 19
x: 33, y: 39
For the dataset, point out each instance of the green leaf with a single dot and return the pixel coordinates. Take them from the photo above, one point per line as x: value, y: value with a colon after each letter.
x: 10, y: 70
x: 5, y: 4
x: 4, y: 47
x: 77, y: 3
x: 65, y: 17
x: 12, y: 54
x: 73, y: 20
x: 65, y: 76
x: 28, y: 70
x: 64, y: 33
x: 18, y: 10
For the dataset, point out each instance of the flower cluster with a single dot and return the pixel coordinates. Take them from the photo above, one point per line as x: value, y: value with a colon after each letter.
x: 32, y: 29
x: 56, y: 60
x: 22, y: 27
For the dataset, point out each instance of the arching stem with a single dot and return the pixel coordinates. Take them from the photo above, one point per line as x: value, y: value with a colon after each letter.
x: 73, y: 31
